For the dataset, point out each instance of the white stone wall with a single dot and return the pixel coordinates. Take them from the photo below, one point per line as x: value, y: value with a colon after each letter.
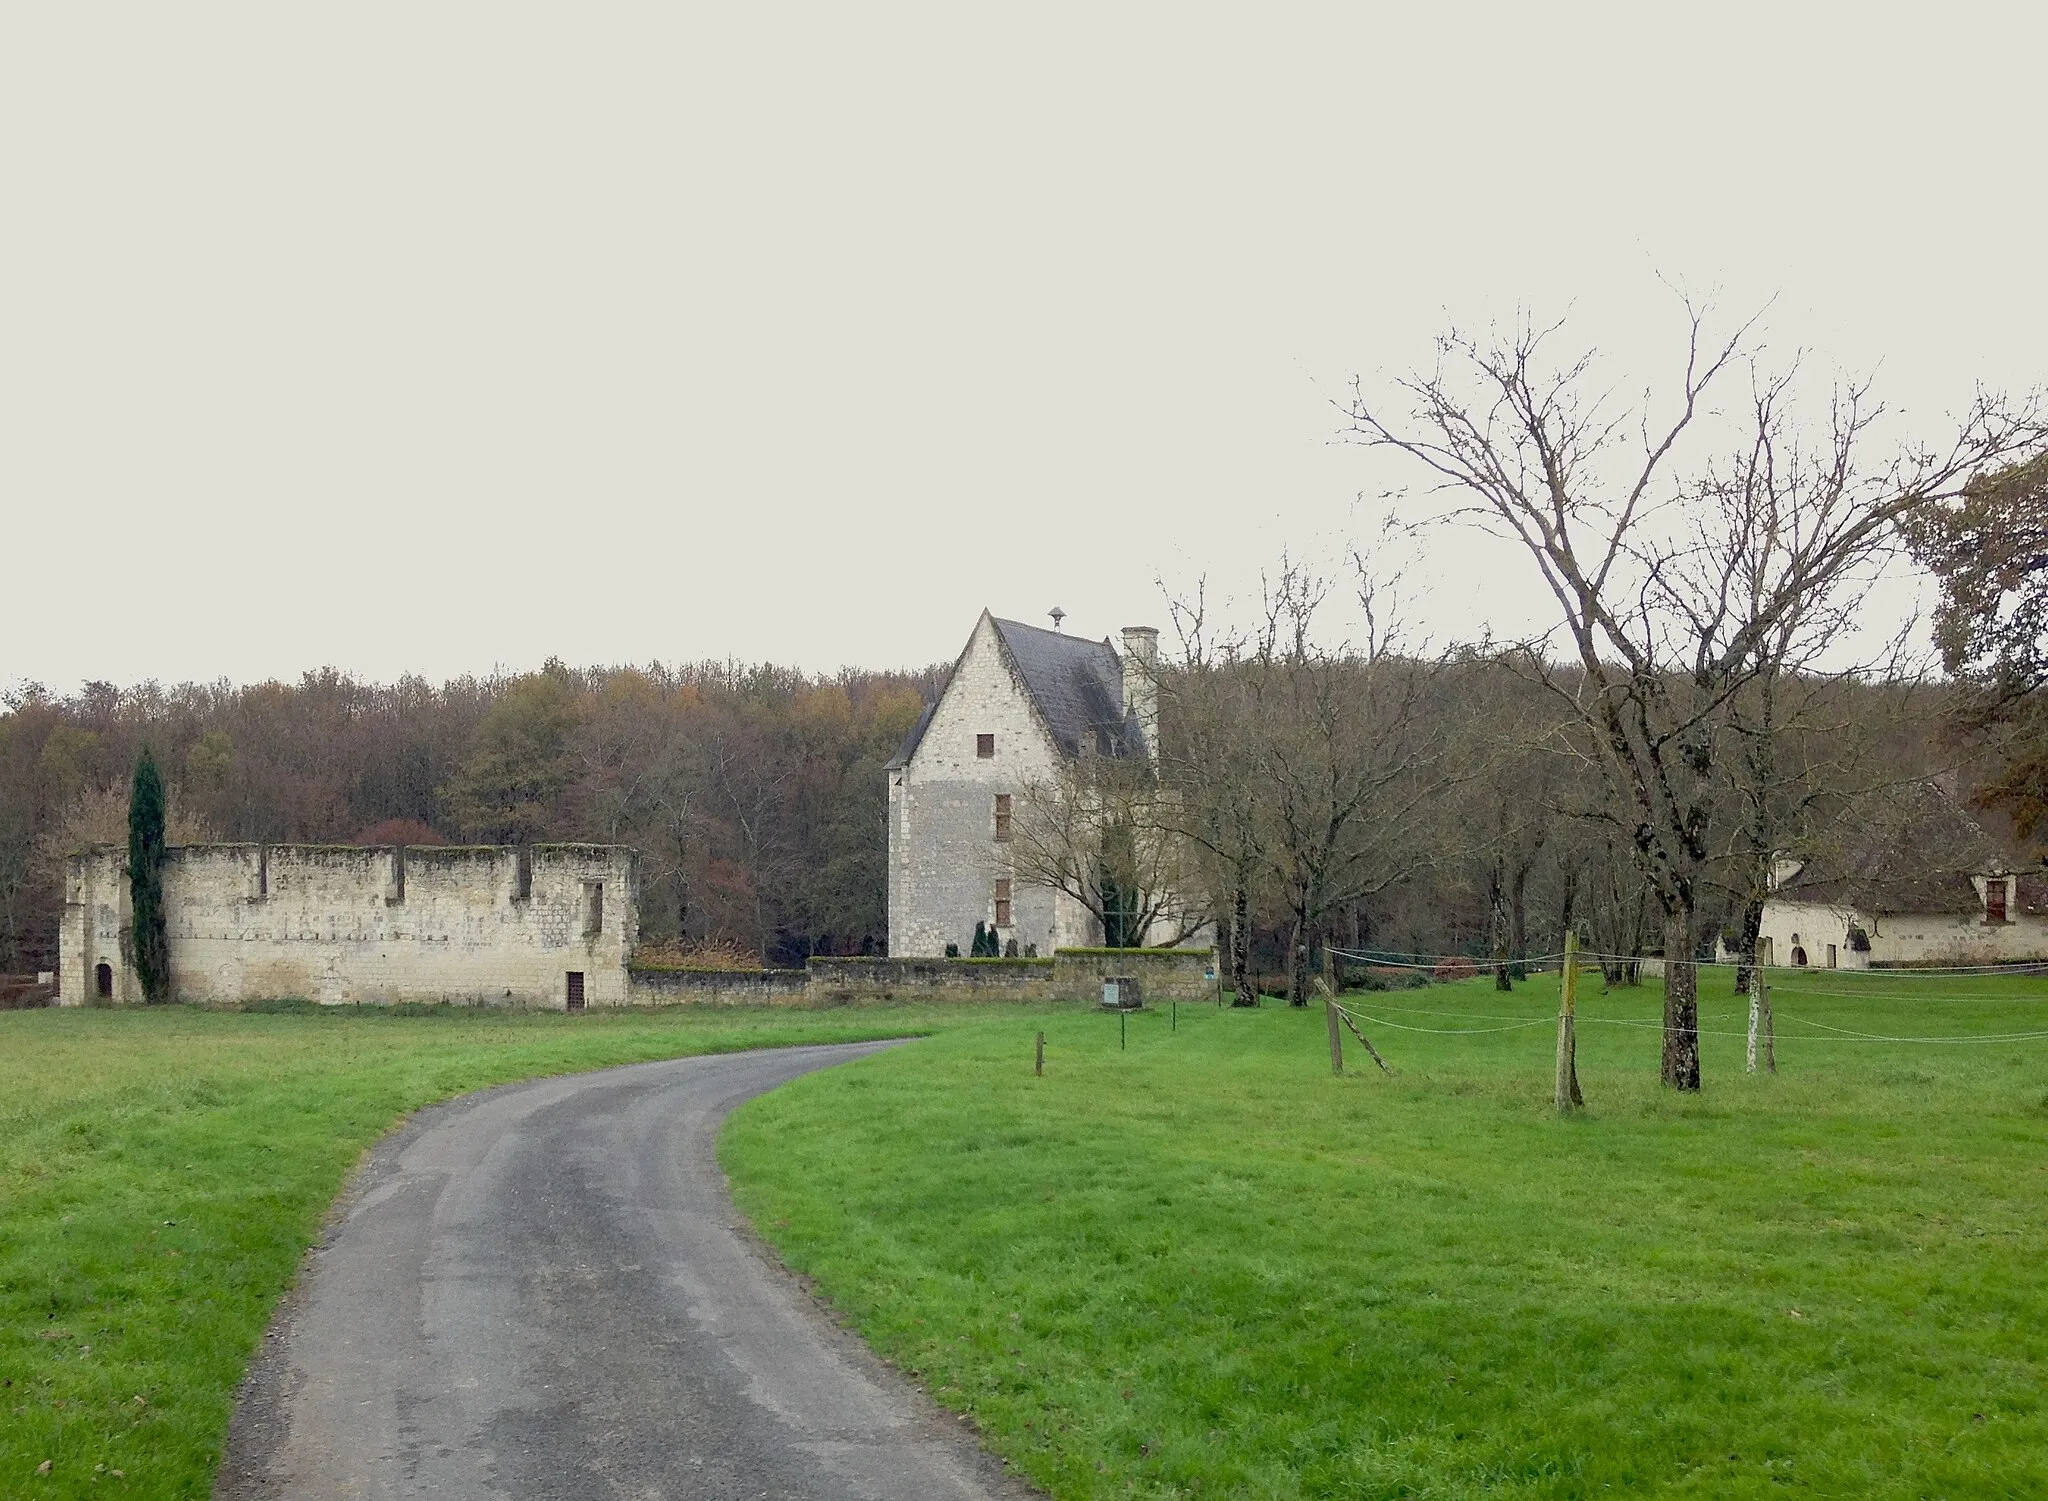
x: 334, y: 924
x: 1902, y: 938
x: 944, y: 858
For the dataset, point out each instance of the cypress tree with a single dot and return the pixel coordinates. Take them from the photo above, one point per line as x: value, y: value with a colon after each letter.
x: 146, y: 880
x: 979, y: 948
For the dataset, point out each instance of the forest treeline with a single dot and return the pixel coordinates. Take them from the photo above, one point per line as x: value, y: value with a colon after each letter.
x: 1428, y: 807
x: 754, y: 793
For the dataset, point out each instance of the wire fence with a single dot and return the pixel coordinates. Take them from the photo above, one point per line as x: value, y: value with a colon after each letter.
x: 1386, y: 959
x: 1806, y: 1029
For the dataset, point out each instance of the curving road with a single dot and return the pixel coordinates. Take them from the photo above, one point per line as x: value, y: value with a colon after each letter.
x: 544, y: 1290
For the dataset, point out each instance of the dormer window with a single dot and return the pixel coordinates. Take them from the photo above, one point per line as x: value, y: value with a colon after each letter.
x: 1994, y: 899
x: 985, y: 747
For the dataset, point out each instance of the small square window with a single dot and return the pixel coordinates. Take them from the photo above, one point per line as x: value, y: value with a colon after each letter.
x: 1002, y: 815
x: 985, y: 747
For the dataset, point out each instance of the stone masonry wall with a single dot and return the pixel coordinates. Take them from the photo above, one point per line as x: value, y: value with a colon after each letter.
x: 710, y: 987
x: 345, y: 924
x: 1163, y: 975
x: 837, y: 981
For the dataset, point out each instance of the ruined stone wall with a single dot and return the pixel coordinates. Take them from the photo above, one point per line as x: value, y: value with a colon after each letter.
x: 944, y: 858
x: 344, y: 924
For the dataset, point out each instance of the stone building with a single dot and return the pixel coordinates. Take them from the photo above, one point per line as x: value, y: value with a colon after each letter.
x: 1021, y: 702
x: 1926, y: 885
x: 548, y: 926
x: 1824, y: 918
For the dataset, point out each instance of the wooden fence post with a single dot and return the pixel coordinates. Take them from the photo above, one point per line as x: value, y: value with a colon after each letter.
x: 1336, y: 1038
x: 1568, y: 1096
x: 1038, y: 1063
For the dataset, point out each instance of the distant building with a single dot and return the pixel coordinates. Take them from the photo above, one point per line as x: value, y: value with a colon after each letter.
x: 1930, y: 888
x: 549, y: 926
x: 1021, y: 703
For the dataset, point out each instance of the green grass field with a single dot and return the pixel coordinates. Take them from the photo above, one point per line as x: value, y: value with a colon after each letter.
x: 162, y: 1171
x: 1203, y: 1266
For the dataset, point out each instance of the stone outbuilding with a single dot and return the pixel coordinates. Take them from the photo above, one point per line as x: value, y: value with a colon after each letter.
x: 544, y: 926
x: 1930, y: 888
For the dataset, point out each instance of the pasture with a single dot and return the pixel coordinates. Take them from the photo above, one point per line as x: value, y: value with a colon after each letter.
x: 1193, y: 1265
x: 1200, y: 1265
x: 162, y: 1171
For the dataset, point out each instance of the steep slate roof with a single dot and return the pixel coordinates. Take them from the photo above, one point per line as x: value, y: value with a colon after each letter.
x: 1919, y: 858
x: 1076, y: 685
x: 913, y: 740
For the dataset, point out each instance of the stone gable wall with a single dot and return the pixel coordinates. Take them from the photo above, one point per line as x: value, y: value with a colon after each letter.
x: 944, y: 858
x: 342, y: 924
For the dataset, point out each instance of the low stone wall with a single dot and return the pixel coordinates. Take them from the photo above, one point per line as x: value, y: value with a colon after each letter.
x: 1071, y: 975
x: 838, y: 981
x: 1162, y: 974
x: 712, y: 987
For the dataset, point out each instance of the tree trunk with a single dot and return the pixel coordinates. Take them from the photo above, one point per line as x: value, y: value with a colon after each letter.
x: 1756, y: 1004
x: 1500, y: 934
x: 1518, y: 914
x: 1745, y: 945
x: 1681, y: 1004
x: 1241, y: 949
x: 1297, y: 961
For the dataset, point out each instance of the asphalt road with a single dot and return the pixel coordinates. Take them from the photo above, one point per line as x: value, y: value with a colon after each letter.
x: 544, y: 1290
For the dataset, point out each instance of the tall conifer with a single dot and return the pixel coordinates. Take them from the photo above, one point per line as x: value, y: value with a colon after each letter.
x: 146, y: 880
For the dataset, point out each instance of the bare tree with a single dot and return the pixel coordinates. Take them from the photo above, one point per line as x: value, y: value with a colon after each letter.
x: 1665, y: 602
x: 1102, y: 831
x: 1350, y: 752
x: 1209, y: 756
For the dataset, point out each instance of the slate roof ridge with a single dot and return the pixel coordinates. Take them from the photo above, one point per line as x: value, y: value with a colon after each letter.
x: 1077, y: 686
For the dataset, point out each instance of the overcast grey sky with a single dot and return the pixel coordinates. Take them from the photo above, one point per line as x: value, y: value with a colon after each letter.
x: 434, y: 338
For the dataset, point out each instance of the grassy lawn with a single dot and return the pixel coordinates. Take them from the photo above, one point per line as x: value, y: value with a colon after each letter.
x: 161, y: 1171
x: 1204, y: 1266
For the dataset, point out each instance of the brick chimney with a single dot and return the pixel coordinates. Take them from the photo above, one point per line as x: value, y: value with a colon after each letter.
x: 1141, y: 683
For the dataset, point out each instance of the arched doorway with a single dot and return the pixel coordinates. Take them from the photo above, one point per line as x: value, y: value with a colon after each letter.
x: 103, y: 981
x: 1798, y: 956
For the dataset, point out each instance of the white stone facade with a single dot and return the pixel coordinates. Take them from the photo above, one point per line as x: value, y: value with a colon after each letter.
x: 945, y: 860
x: 343, y: 924
x: 1816, y: 934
